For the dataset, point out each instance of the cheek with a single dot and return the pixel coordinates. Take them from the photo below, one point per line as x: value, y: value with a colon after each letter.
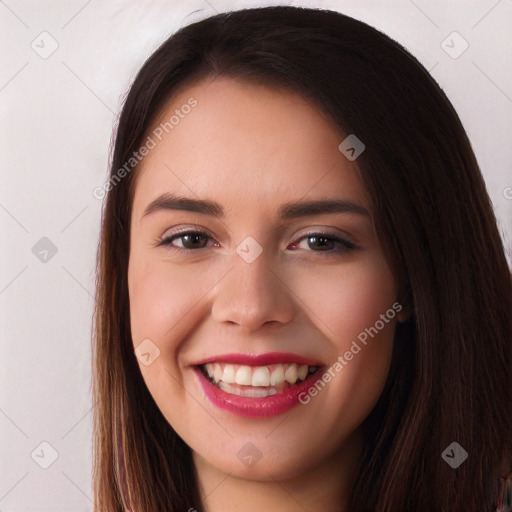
x: 163, y: 302
x: 345, y: 300
x: 352, y: 305
x: 161, y: 297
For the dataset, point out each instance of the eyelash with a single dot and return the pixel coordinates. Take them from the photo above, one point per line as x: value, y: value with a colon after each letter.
x: 347, y: 245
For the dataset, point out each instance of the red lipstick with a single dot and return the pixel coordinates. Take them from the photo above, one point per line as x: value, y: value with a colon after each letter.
x: 243, y: 399
x: 262, y: 359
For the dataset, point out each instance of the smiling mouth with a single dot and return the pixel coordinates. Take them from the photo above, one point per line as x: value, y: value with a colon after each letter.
x: 256, y: 381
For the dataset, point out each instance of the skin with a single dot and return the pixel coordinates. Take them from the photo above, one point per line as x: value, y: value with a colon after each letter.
x: 252, y: 148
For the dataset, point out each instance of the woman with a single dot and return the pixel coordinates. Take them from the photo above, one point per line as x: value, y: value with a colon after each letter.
x: 303, y: 298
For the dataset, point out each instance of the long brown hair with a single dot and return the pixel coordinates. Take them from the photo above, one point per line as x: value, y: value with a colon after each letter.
x: 450, y: 377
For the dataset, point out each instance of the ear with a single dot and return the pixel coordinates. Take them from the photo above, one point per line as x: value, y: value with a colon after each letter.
x: 404, y: 315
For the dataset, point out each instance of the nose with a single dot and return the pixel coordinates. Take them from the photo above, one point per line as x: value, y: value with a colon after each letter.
x: 253, y: 295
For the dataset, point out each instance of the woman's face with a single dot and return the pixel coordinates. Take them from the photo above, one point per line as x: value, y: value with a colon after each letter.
x: 229, y: 324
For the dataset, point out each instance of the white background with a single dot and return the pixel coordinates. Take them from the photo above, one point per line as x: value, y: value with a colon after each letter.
x: 57, y: 116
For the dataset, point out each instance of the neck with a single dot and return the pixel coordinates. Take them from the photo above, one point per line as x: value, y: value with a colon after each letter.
x: 323, y: 487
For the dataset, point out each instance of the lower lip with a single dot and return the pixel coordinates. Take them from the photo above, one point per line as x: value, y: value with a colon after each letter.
x: 257, y: 407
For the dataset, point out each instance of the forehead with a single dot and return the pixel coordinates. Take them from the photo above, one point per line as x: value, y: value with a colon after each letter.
x: 245, y: 143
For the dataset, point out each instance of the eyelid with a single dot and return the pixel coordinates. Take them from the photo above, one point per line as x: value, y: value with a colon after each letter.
x: 164, y: 240
x: 336, y: 235
x: 186, y: 229
x: 325, y: 230
x: 345, y: 241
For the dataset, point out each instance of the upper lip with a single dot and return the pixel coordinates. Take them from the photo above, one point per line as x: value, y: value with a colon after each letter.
x: 261, y: 359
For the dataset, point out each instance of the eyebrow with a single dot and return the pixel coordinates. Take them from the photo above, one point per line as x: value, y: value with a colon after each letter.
x: 291, y: 210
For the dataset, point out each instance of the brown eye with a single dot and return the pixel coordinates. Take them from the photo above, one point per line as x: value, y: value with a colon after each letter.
x: 190, y: 240
x: 324, y: 242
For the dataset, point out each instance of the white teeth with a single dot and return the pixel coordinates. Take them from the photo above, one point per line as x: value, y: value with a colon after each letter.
x: 277, y: 376
x: 261, y: 376
x: 274, y: 375
x: 243, y: 376
x: 229, y: 374
x: 209, y: 368
x: 291, y: 374
x: 249, y: 392
x: 217, y: 372
x: 302, y: 372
